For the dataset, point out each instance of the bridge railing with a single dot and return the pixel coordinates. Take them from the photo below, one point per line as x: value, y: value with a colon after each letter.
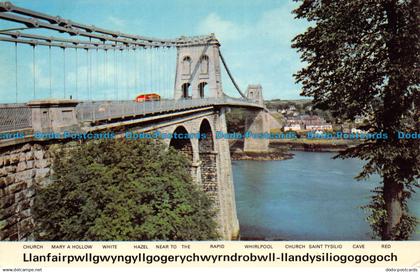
x: 19, y: 116
x: 15, y: 117
x: 107, y: 110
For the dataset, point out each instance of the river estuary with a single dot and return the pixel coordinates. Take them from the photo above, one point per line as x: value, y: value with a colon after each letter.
x: 310, y: 197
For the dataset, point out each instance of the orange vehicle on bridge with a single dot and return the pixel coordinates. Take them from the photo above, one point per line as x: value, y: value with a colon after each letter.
x: 147, y: 97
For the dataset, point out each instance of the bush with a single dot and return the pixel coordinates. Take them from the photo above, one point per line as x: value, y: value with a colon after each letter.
x: 122, y: 190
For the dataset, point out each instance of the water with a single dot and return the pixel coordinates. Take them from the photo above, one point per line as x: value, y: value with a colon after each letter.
x: 310, y: 197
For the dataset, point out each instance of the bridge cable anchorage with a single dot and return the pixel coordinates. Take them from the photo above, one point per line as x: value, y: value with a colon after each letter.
x: 99, y: 70
x: 151, y: 70
x: 139, y: 72
x: 77, y: 74
x: 230, y: 76
x: 145, y: 74
x: 92, y: 73
x: 88, y: 75
x: 127, y: 76
x: 104, y: 70
x: 121, y: 80
x: 122, y: 74
x: 128, y: 73
x: 133, y: 57
x: 96, y: 72
x: 165, y: 79
x: 16, y: 71
x: 161, y: 80
x: 100, y: 73
x: 34, y: 70
x: 50, y: 70
x: 115, y: 75
x: 106, y: 76
x: 134, y: 71
x: 64, y: 70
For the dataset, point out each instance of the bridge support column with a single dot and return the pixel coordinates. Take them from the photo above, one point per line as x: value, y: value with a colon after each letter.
x: 256, y: 123
x: 196, y: 163
x: 228, y: 220
x: 197, y: 65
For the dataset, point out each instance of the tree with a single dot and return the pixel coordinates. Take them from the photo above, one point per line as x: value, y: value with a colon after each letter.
x: 122, y: 190
x: 363, y: 59
x: 235, y: 121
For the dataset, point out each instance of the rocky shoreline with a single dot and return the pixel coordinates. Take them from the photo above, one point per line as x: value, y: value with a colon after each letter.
x: 280, y: 150
x: 311, y: 146
x: 272, y: 155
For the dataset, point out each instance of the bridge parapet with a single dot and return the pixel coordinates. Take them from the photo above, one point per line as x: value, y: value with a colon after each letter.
x: 59, y: 115
x: 53, y: 115
x: 108, y: 110
x: 15, y: 117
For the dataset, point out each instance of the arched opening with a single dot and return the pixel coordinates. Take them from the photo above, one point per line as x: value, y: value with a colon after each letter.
x: 186, y: 90
x: 205, y: 144
x: 182, y: 144
x: 202, y: 89
x: 208, y: 159
x: 204, y: 64
x: 186, y: 65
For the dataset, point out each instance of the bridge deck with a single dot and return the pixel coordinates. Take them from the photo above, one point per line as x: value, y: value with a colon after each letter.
x: 19, y: 116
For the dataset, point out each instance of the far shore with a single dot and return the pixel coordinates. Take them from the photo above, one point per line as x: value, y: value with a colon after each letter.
x: 312, y: 145
x: 280, y: 148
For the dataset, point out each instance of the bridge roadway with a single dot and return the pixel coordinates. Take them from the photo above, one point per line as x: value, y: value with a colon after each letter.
x: 108, y: 110
x: 18, y: 116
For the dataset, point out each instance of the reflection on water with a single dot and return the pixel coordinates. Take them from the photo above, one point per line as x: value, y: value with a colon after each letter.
x: 310, y: 197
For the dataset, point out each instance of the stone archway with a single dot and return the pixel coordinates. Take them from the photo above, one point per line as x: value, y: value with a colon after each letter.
x: 183, y: 145
x: 208, y: 159
x: 206, y: 144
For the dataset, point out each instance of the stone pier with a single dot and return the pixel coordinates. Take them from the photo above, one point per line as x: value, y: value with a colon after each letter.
x: 256, y: 122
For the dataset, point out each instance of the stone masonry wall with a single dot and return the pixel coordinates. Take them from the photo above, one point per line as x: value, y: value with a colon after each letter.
x: 209, y: 175
x: 21, y: 169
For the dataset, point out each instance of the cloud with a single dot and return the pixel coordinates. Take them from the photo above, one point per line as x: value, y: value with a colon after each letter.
x: 225, y: 30
x: 117, y: 22
x: 276, y: 24
x: 279, y: 25
x: 260, y: 52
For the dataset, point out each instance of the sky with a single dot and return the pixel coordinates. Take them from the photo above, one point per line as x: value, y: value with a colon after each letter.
x: 255, y: 39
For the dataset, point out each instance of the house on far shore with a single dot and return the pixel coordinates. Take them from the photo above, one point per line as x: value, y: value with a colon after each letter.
x: 307, y: 122
x: 293, y: 127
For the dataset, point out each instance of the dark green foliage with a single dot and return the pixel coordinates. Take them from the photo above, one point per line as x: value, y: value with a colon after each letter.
x: 122, y: 190
x: 378, y: 217
x: 363, y: 59
x: 235, y: 121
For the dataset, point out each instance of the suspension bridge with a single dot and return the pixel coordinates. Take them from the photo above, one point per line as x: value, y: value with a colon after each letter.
x: 69, y: 76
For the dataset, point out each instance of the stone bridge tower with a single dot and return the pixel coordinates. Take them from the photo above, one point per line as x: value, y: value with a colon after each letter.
x: 254, y: 92
x: 198, y: 73
x: 256, y: 122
